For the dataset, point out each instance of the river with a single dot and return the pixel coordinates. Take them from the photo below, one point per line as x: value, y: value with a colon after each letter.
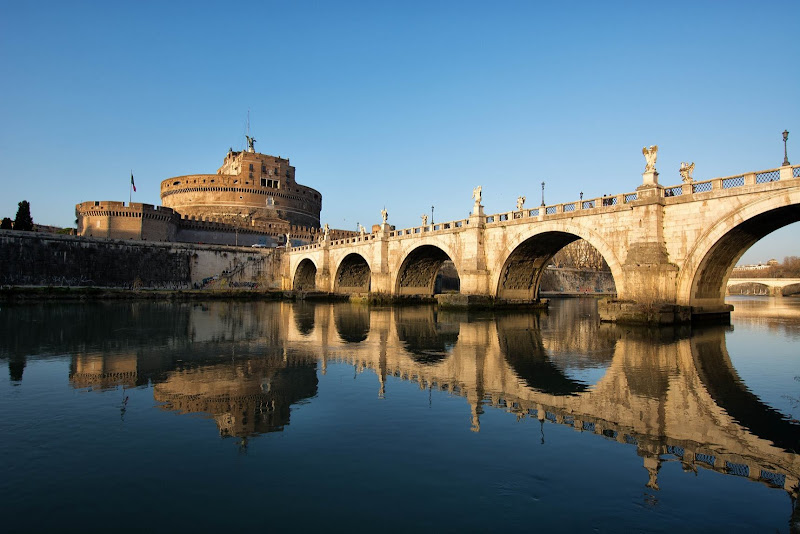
x: 170, y: 417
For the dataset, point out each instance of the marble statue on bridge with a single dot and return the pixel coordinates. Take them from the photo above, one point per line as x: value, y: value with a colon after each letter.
x: 384, y: 215
x: 686, y: 172
x: 476, y: 194
x: 520, y: 203
x: 650, y: 155
x: 424, y: 220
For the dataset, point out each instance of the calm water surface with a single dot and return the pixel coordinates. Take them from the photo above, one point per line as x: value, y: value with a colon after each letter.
x: 179, y: 417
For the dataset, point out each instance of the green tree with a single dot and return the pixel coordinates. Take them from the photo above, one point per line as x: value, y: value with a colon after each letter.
x: 23, y: 221
x: 7, y: 224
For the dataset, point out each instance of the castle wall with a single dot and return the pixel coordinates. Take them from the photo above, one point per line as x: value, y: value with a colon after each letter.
x: 117, y: 220
x: 34, y: 259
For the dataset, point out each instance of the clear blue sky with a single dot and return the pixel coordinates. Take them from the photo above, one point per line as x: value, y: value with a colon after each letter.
x: 397, y: 104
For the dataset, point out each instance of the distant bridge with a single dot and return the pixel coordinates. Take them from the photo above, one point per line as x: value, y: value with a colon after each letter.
x: 675, y: 246
x: 776, y: 287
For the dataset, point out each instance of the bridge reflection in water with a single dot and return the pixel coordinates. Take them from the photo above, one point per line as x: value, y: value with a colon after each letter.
x: 672, y: 393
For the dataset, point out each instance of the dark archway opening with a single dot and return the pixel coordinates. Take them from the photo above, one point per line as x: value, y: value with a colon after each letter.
x: 353, y: 275
x: 305, y: 278
x: 710, y: 279
x: 522, y: 272
x: 421, y: 270
x: 577, y: 269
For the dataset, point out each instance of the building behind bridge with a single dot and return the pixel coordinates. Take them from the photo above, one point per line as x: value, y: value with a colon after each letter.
x: 253, y: 199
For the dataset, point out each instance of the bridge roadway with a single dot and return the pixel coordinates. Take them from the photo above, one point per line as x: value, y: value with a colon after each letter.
x: 669, y: 249
x: 777, y: 287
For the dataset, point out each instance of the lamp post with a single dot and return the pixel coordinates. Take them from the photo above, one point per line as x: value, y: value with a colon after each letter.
x: 581, y: 195
x: 542, y: 194
x: 785, y: 157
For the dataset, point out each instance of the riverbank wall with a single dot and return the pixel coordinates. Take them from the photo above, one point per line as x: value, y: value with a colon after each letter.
x: 576, y: 282
x: 50, y: 260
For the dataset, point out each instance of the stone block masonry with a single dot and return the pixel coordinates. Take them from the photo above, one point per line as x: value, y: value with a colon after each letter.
x: 33, y: 259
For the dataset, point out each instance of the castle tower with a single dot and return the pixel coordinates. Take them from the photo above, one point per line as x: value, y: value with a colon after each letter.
x: 249, y: 186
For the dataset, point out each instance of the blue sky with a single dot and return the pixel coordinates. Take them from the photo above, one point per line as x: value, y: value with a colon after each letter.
x: 405, y: 105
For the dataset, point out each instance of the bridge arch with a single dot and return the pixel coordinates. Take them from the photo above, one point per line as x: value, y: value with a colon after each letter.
x: 702, y: 279
x: 418, y: 270
x: 305, y: 276
x: 791, y: 289
x: 526, y: 255
x: 353, y: 275
x: 735, y: 289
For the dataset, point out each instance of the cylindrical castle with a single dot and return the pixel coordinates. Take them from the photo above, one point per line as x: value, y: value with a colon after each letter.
x: 248, y: 187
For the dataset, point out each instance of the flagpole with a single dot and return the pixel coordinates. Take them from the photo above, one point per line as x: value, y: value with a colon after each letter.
x: 130, y: 190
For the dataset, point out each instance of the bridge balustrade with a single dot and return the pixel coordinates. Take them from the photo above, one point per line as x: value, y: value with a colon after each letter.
x: 702, y: 187
x: 767, y: 176
x: 698, y: 187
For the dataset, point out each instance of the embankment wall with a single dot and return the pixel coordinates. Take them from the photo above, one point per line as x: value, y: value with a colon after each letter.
x: 34, y: 259
x: 578, y: 282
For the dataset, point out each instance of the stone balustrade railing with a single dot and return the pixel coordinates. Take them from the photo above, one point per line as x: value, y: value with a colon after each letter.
x: 583, y: 205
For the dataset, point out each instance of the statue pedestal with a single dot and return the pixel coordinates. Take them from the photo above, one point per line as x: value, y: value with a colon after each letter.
x: 477, y: 209
x: 649, y: 179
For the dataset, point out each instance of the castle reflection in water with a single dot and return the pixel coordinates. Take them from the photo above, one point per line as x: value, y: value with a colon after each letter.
x: 671, y: 393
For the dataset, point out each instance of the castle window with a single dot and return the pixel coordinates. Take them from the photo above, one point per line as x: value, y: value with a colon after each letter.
x: 263, y: 168
x: 263, y: 182
x: 251, y: 167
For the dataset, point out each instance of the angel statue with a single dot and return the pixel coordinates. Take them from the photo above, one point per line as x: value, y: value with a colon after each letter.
x: 476, y: 194
x: 686, y: 172
x: 288, y: 241
x: 384, y: 215
x: 650, y: 155
x: 424, y: 220
x: 251, y: 142
x: 520, y: 203
x: 361, y: 230
x: 326, y: 231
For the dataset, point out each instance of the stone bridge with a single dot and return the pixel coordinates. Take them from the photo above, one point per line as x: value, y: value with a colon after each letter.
x: 670, y: 249
x: 775, y: 287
